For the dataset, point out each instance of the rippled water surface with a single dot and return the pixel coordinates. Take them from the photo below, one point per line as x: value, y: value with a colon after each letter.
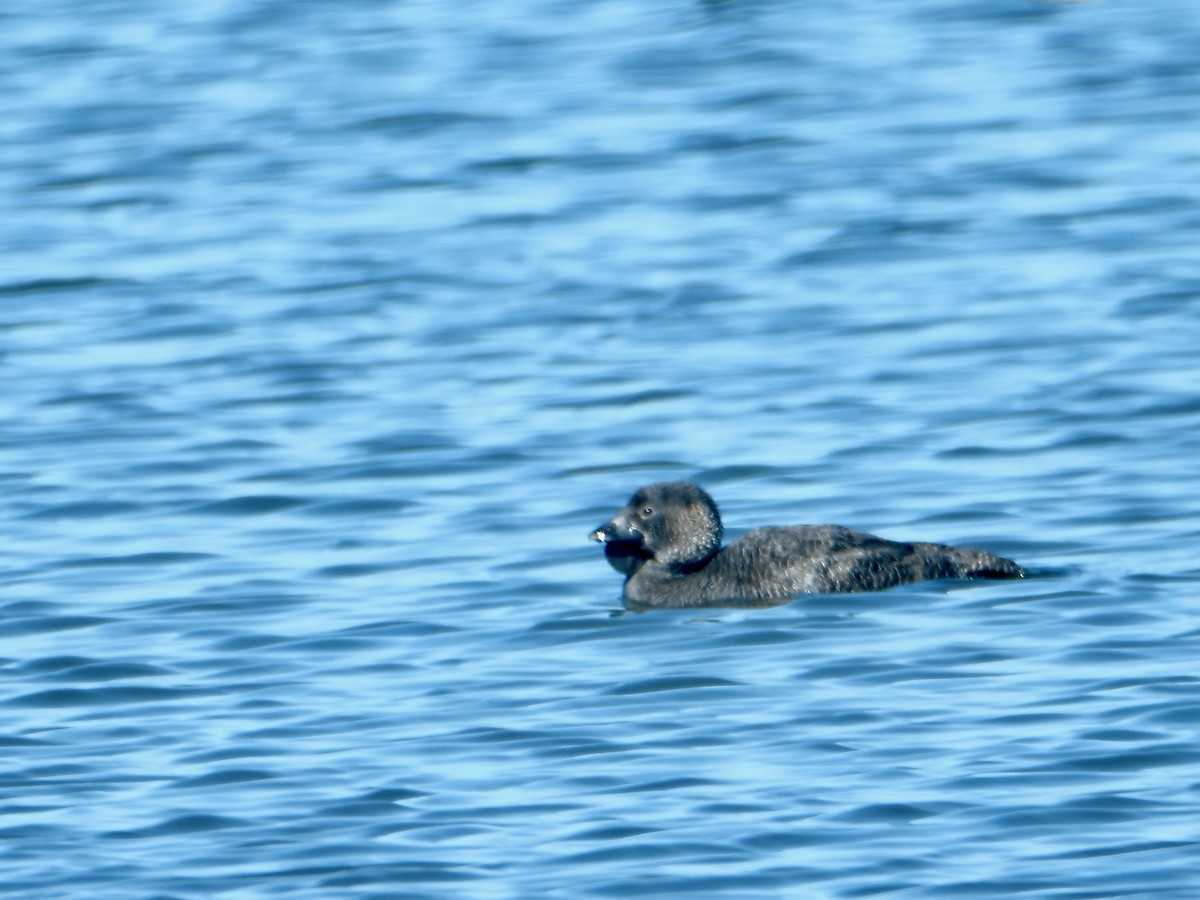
x: 329, y: 330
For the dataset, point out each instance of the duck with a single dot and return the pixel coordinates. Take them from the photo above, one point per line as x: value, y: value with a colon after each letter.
x: 667, y: 542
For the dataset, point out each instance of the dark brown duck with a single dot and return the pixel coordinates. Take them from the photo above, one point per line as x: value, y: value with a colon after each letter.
x: 667, y: 543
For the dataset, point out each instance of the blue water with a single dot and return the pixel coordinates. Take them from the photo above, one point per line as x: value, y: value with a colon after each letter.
x: 328, y: 330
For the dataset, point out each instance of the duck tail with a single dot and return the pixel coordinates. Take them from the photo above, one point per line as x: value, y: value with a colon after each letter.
x: 985, y: 565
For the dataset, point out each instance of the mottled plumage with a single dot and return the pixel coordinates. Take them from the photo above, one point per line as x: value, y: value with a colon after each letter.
x: 667, y: 543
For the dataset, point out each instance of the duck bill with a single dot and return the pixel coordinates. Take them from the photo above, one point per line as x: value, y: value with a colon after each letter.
x: 616, y: 531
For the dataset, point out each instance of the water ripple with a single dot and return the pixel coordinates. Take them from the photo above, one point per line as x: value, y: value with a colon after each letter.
x: 331, y: 329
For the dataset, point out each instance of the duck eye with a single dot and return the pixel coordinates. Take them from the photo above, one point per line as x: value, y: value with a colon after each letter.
x: 647, y: 510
